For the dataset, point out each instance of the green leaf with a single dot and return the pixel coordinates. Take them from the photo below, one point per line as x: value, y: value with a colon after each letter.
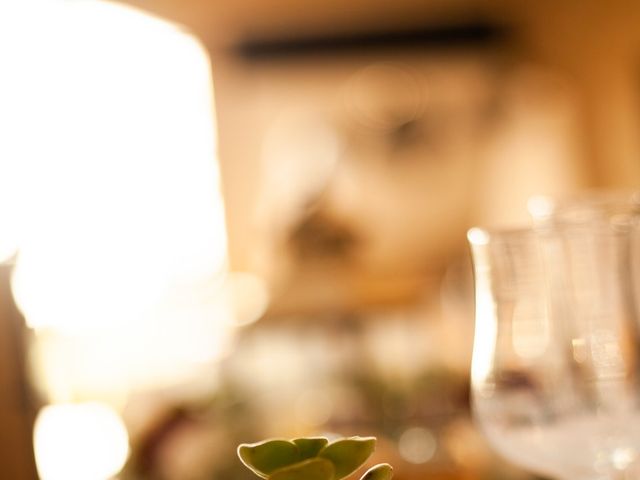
x: 312, y: 469
x: 348, y: 454
x: 265, y: 457
x: 310, y: 446
x: 382, y: 471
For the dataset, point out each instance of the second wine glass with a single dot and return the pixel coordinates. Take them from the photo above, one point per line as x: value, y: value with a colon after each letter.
x: 555, y: 364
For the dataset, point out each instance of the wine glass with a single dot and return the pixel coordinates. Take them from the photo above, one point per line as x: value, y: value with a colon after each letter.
x: 555, y: 379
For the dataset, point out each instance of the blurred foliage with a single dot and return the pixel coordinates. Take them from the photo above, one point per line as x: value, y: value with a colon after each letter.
x: 312, y: 458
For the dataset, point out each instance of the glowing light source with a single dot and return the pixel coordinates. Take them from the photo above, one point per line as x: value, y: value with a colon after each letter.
x: 109, y: 188
x: 79, y: 442
x: 123, y: 194
x: 115, y: 201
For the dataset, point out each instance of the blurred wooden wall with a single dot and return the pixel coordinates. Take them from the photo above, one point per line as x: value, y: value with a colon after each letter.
x: 598, y: 45
x: 16, y: 403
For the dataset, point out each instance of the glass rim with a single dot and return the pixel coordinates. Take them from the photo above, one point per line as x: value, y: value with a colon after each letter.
x: 478, y: 235
x: 481, y: 236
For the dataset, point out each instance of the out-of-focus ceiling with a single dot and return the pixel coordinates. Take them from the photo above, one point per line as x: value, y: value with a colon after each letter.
x: 596, y: 43
x: 552, y: 24
x: 220, y: 23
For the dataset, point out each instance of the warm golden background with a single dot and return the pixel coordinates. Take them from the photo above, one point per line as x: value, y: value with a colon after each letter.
x: 358, y: 141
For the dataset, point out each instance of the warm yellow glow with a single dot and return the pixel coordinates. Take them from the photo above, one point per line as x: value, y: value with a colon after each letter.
x: 540, y: 207
x: 478, y: 236
x: 486, y: 321
x: 174, y: 343
x: 79, y: 442
x: 112, y: 193
x: 484, y: 343
x: 248, y: 295
x: 123, y: 199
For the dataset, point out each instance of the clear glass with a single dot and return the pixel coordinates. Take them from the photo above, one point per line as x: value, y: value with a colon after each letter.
x: 556, y: 354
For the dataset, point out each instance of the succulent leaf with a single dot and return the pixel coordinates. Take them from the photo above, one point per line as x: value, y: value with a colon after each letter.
x: 263, y: 458
x: 312, y: 469
x: 382, y: 471
x: 310, y: 446
x: 348, y: 454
